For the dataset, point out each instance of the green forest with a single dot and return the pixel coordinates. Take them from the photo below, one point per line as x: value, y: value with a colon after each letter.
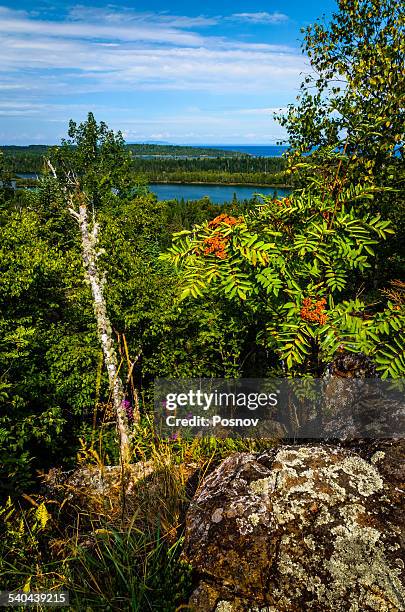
x: 157, y: 150
x: 169, y: 164
x: 105, y: 289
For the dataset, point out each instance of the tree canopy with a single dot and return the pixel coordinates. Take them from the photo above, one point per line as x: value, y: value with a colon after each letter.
x: 354, y: 96
x: 97, y: 156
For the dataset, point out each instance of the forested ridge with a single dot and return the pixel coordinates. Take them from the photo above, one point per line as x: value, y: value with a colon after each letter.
x: 206, y: 166
x: 136, y: 149
x: 105, y: 289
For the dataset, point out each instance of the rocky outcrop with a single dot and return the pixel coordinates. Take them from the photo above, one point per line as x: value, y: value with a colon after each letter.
x: 314, y: 528
x: 150, y: 496
x: 98, y: 490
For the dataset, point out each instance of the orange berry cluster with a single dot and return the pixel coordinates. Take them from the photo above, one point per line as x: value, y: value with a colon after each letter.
x: 314, y: 312
x: 284, y: 202
x: 216, y: 244
x: 223, y: 218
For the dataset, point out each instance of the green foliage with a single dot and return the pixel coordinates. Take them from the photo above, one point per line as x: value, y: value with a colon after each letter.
x: 293, y: 261
x: 51, y: 389
x: 164, y: 164
x: 243, y: 170
x: 97, y: 157
x: 22, y: 534
x: 353, y: 102
x: 173, y: 340
x: 378, y: 334
x: 48, y: 347
x: 6, y: 190
x: 180, y: 151
x: 51, y: 392
x: 30, y: 158
x: 128, y: 571
x: 355, y: 92
x: 277, y: 285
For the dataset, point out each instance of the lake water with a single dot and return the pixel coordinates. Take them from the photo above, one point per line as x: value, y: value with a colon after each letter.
x: 216, y: 193
x: 27, y: 175
x: 256, y: 151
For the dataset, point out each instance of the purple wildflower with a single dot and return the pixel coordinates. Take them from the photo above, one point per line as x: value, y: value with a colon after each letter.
x: 126, y: 404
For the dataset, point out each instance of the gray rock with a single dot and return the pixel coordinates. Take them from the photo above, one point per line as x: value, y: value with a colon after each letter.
x: 314, y: 528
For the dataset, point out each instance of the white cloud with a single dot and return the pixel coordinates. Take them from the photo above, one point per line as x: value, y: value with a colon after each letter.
x: 217, y: 66
x: 16, y: 22
x: 270, y: 18
x: 120, y: 52
x: 126, y: 15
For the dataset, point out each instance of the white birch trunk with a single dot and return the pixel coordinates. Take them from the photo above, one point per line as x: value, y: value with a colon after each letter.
x: 89, y: 253
x: 89, y: 256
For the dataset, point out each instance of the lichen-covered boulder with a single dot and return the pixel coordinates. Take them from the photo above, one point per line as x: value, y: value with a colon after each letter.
x: 301, y: 528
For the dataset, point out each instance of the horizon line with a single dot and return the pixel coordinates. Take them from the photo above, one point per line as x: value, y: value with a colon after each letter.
x: 164, y: 144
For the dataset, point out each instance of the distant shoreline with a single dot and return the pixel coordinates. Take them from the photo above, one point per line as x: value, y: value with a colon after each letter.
x: 31, y: 182
x: 220, y: 184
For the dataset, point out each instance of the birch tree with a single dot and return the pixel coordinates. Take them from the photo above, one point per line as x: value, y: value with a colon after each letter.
x: 90, y: 167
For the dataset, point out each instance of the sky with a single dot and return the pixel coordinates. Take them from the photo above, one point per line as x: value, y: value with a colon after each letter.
x: 178, y: 72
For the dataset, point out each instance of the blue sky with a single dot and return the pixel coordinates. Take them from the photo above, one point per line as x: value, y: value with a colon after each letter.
x: 180, y: 72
